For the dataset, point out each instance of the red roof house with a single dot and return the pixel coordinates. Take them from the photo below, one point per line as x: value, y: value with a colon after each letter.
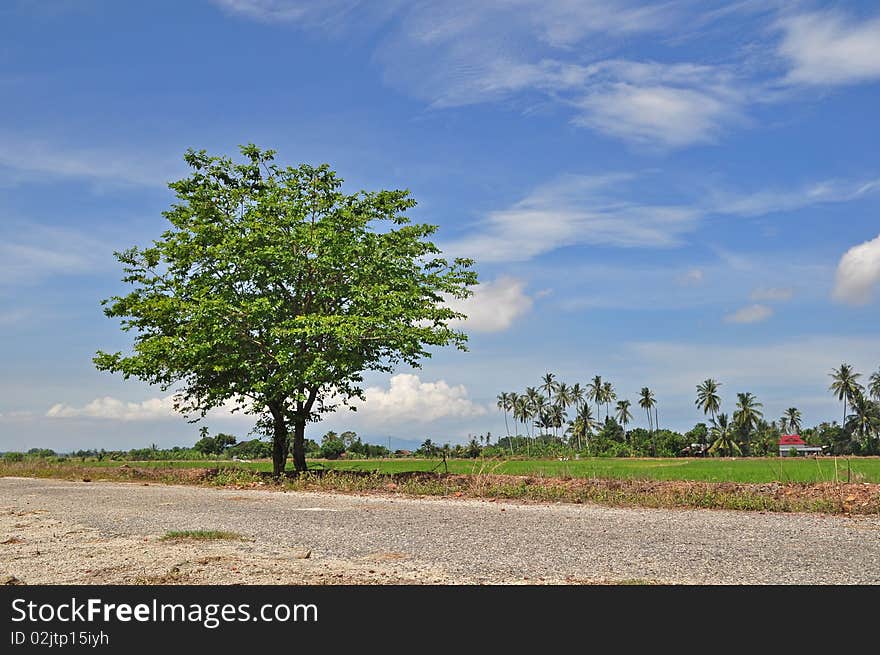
x: 787, y: 442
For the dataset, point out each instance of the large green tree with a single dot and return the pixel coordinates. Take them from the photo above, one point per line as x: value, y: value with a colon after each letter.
x: 273, y: 291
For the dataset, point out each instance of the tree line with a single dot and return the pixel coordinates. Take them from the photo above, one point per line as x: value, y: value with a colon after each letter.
x: 591, y: 419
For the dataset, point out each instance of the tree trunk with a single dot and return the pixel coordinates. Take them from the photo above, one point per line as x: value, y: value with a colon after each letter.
x: 299, y: 445
x: 279, y: 445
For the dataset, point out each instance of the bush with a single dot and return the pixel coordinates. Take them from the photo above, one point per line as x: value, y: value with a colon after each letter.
x: 13, y: 457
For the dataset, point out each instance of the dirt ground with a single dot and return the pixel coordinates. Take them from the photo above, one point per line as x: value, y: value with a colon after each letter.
x: 44, y: 550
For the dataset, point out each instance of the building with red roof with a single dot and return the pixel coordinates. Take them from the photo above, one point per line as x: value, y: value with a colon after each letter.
x: 787, y: 442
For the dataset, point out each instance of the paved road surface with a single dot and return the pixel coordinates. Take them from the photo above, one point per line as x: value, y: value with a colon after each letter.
x: 439, y: 540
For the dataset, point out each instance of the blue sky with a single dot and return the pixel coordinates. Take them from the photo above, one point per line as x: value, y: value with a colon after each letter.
x: 653, y: 192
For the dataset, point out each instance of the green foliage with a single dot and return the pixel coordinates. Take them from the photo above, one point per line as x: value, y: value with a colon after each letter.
x: 215, y: 445
x: 274, y: 291
x: 698, y: 434
x: 252, y: 449
x: 332, y: 448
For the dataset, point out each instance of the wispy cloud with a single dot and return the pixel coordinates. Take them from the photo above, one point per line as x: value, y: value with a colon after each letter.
x: 750, y: 314
x: 34, y: 159
x: 598, y: 210
x: 31, y: 252
x: 494, y: 306
x: 692, y: 277
x: 581, y: 56
x: 858, y: 273
x: 768, y: 201
x: 575, y: 209
x: 830, y: 48
x: 772, y: 294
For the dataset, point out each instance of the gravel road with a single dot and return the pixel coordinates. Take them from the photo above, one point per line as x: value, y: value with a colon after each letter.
x: 101, y: 532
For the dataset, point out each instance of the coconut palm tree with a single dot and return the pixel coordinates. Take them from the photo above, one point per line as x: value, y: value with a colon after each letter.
x: 595, y: 392
x: 747, y: 415
x: 708, y: 399
x: 646, y: 402
x: 548, y: 385
x: 864, y: 422
x: 874, y: 385
x: 722, y: 435
x: 533, y: 401
x: 578, y: 394
x: 608, y: 396
x: 503, y: 404
x: 845, y: 385
x: 563, y: 400
x: 792, y: 420
x: 583, y: 424
x: 624, y: 416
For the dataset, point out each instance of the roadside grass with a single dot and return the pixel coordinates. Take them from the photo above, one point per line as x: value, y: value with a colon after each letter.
x: 757, y: 470
x: 731, y: 485
x: 201, y: 535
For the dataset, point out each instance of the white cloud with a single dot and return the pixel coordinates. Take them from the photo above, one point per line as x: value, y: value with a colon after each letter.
x: 671, y: 105
x: 770, y: 201
x: 115, y: 409
x: 575, y: 209
x: 33, y: 159
x: 750, y: 314
x: 691, y: 277
x: 598, y: 210
x: 30, y: 252
x: 858, y: 273
x: 494, y: 306
x: 829, y: 48
x: 459, y: 53
x: 407, y: 398
x: 772, y: 294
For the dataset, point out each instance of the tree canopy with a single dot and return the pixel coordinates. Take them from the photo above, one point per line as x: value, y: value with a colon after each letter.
x: 272, y: 292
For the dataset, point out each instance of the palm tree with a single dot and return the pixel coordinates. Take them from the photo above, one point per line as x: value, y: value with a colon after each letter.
x: 723, y: 440
x: 583, y: 424
x: 792, y: 420
x: 532, y: 396
x: 539, y: 412
x: 563, y: 400
x: 504, y: 405
x: 578, y: 394
x: 521, y: 412
x: 623, y: 413
x: 747, y: 415
x: 548, y: 385
x: 874, y: 385
x: 608, y: 396
x: 557, y: 417
x: 845, y: 385
x: 708, y: 399
x: 646, y: 402
x: 594, y: 392
x: 864, y: 422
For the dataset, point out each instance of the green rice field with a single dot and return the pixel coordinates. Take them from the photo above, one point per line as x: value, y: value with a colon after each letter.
x: 751, y: 470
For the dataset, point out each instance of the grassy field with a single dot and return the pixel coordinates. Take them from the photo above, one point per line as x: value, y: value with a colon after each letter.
x: 744, y: 470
